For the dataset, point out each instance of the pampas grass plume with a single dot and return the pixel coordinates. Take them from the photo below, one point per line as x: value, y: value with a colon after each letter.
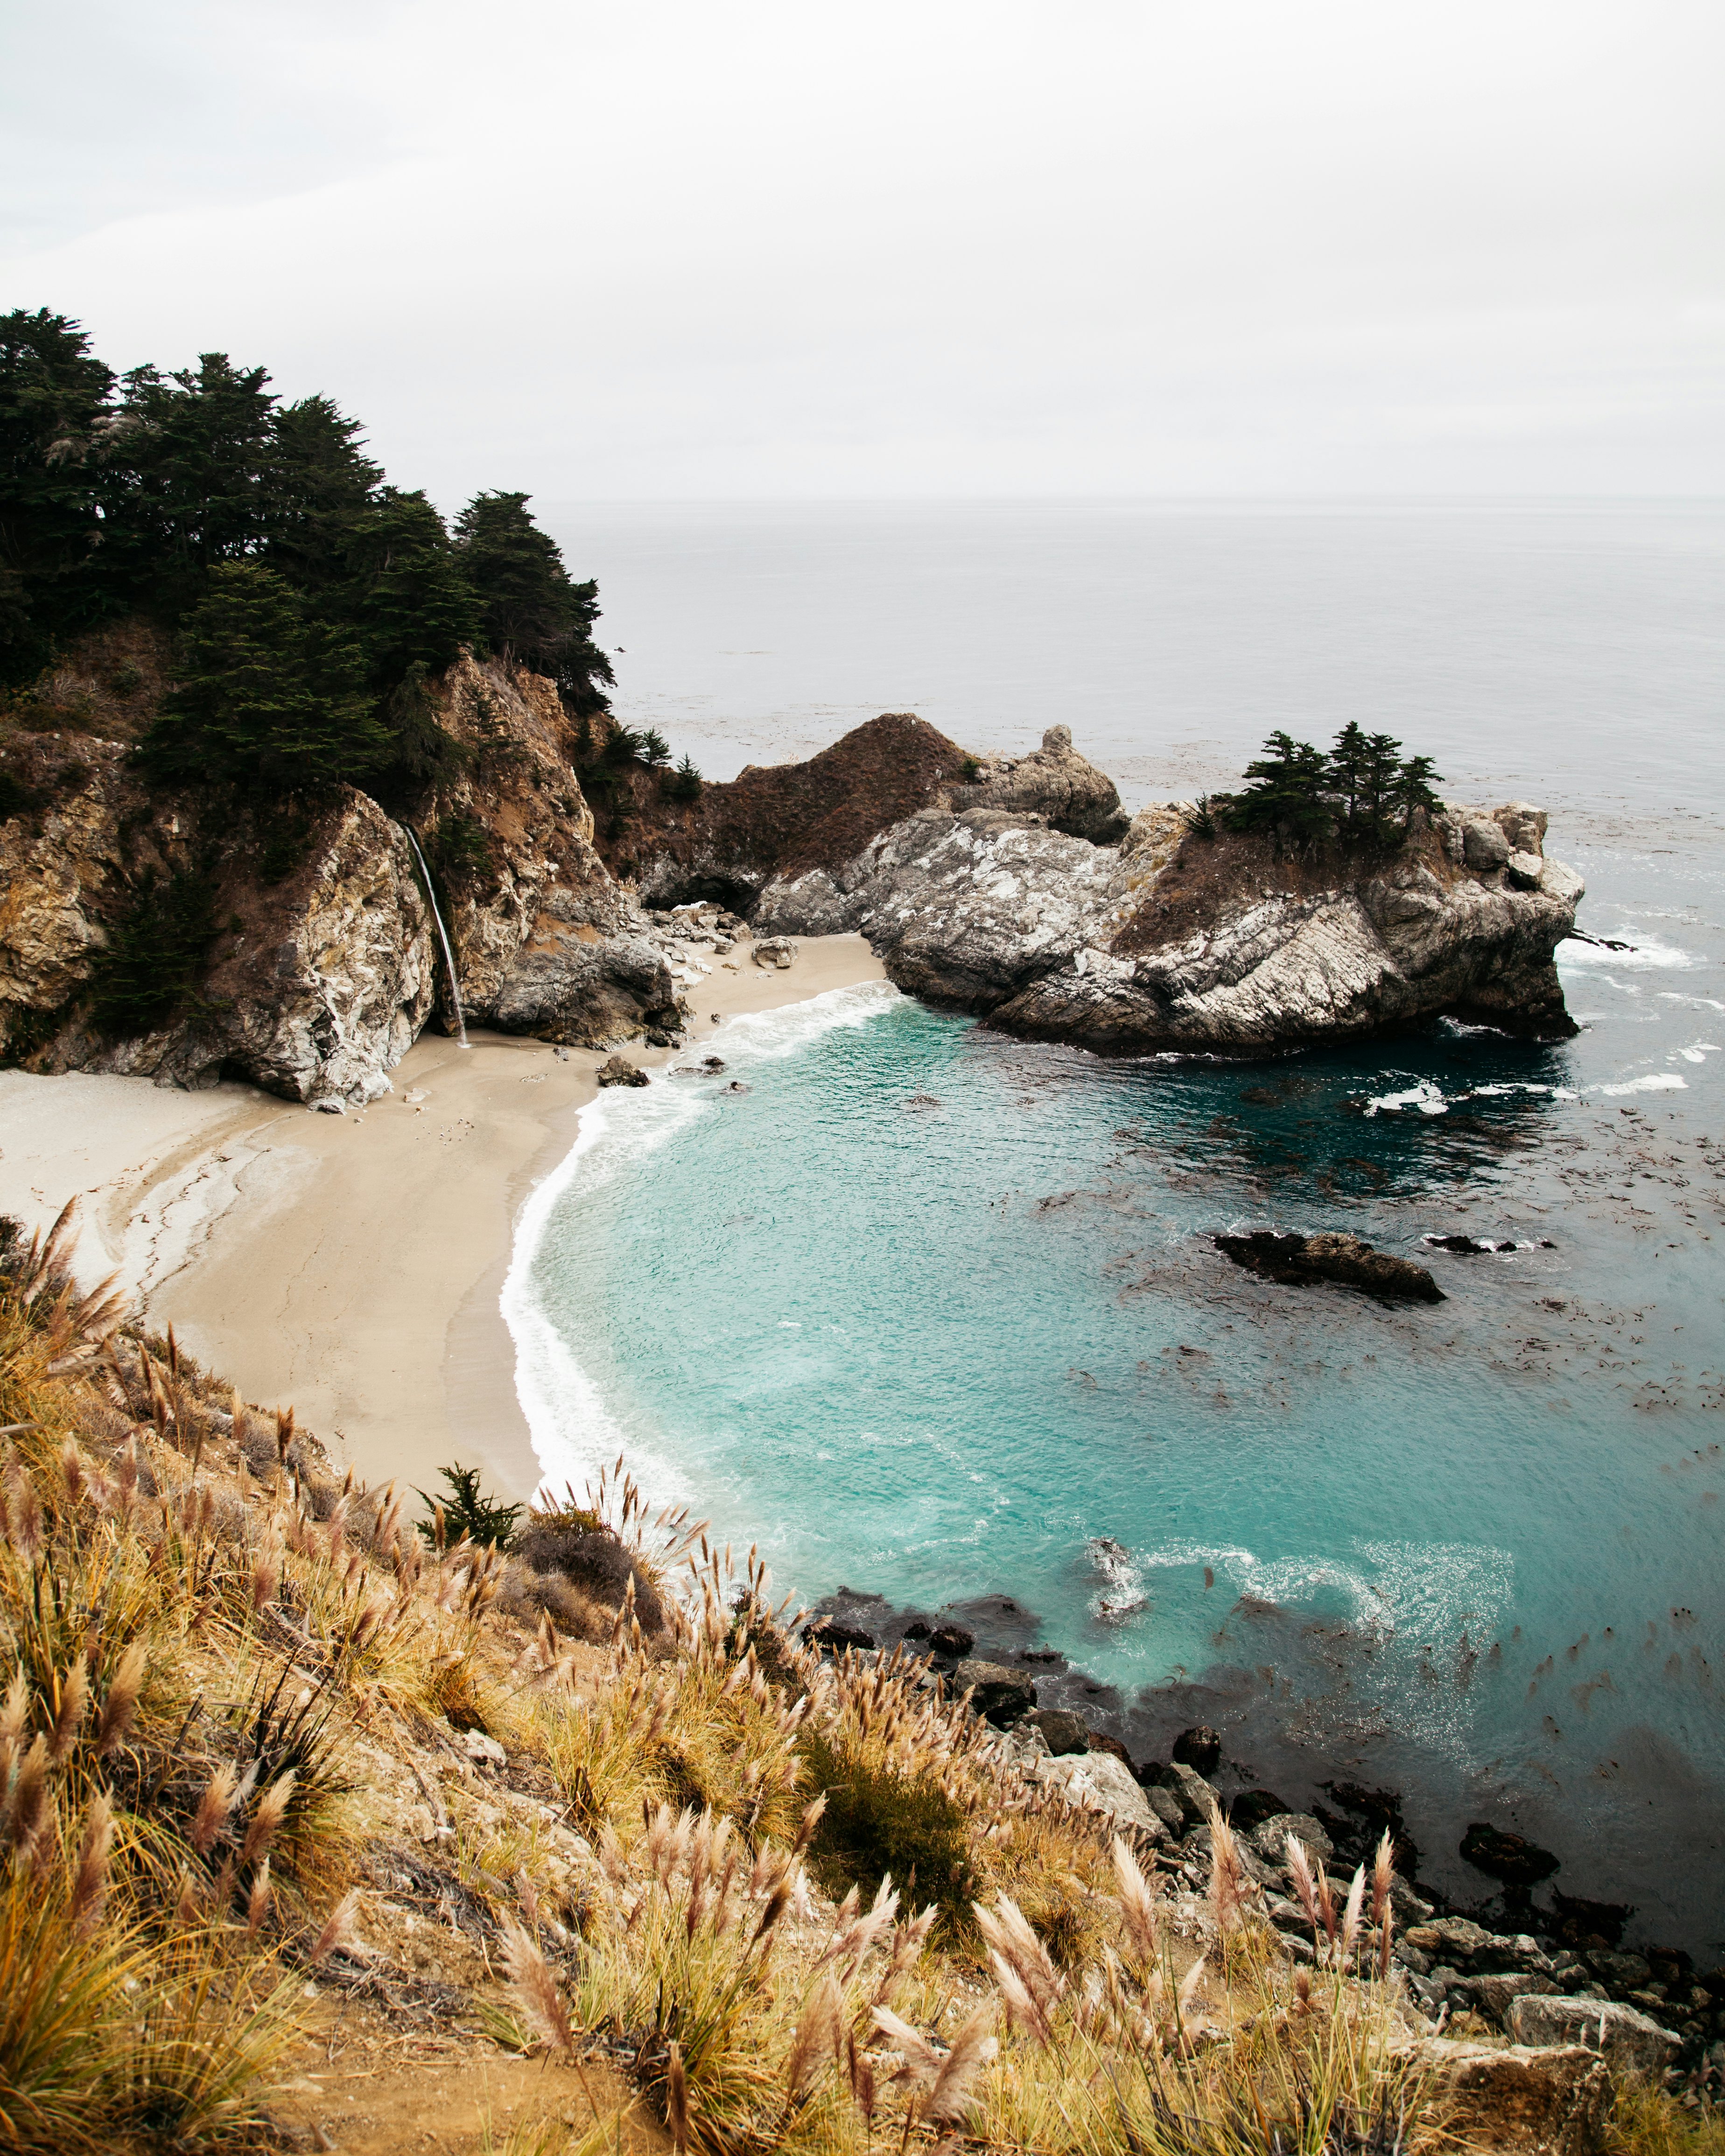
x: 89, y: 1885
x: 266, y: 1819
x: 214, y: 1807
x: 121, y: 1704
x: 73, y: 1698
x: 974, y: 2045
x: 337, y: 1930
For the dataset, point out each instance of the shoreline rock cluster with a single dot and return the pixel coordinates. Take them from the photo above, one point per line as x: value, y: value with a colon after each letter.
x: 1558, y: 1980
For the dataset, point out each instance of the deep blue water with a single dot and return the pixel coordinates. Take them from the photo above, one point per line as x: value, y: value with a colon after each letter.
x: 935, y: 1315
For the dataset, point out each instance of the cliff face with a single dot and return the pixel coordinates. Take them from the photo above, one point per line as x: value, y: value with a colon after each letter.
x: 191, y: 939
x: 992, y: 894
x: 310, y: 982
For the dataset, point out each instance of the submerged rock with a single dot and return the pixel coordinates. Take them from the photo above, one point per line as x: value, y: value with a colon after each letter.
x: 1506, y: 1856
x: 1341, y: 1260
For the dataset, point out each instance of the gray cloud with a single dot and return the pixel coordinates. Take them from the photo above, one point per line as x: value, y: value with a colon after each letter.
x: 972, y: 248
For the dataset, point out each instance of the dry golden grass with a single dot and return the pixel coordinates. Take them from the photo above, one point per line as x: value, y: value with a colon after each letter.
x: 814, y: 1909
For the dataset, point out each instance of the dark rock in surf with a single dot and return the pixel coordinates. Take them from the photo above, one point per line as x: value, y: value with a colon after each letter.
x: 619, y: 1070
x: 1199, y: 1749
x: 1506, y: 1856
x: 1465, y: 1247
x: 944, y: 1643
x: 834, y: 1635
x: 1062, y: 1731
x: 999, y: 1695
x: 1250, y: 1810
x: 1334, y: 1259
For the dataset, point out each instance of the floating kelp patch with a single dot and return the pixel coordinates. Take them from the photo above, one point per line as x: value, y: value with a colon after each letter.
x: 1335, y: 1260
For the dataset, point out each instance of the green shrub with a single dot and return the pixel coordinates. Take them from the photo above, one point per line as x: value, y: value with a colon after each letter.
x: 879, y: 1820
x: 467, y: 1510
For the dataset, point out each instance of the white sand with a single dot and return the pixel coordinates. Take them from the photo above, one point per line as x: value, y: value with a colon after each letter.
x: 350, y: 1265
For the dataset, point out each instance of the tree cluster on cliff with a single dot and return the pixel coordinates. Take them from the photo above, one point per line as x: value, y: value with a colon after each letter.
x: 309, y: 598
x: 1362, y: 792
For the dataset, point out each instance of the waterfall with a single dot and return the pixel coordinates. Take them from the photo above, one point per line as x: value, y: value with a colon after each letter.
x: 442, y: 936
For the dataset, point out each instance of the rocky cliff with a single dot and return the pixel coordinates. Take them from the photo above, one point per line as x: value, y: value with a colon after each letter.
x: 190, y: 936
x: 1018, y: 890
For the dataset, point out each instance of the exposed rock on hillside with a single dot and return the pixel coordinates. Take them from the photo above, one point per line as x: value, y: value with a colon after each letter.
x: 314, y: 984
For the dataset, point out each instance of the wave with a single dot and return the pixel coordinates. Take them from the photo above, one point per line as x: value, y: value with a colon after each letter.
x: 1649, y: 951
x: 1655, y: 1082
x: 1429, y: 1099
x: 574, y: 1432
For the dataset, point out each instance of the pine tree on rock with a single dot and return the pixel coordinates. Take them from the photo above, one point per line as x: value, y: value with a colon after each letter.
x: 530, y: 611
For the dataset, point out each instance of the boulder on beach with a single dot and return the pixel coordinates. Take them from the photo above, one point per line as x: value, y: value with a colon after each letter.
x: 1270, y: 1838
x: 1336, y: 1259
x: 619, y: 1070
x: 1097, y: 1781
x: 1062, y: 1731
x: 1197, y: 1800
x: 1533, y: 2102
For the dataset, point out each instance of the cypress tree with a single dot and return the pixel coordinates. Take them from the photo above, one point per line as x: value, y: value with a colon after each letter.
x: 53, y: 397
x: 530, y: 610
x: 268, y: 699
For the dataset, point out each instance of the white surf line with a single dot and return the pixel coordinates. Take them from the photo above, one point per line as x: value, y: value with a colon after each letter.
x: 573, y: 1432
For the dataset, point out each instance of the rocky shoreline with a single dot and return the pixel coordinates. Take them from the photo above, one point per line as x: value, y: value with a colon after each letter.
x: 166, y: 931
x: 1503, y: 1965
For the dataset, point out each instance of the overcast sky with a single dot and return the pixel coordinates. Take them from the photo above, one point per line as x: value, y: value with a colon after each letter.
x: 780, y: 248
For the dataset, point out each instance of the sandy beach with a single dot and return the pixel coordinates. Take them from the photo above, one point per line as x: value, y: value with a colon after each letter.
x: 348, y: 1265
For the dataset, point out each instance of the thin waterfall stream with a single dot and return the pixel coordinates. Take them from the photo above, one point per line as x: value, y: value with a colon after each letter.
x: 443, y: 938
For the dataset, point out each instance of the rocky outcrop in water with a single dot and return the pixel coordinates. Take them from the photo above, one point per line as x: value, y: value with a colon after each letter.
x: 1338, y: 1260
x: 1014, y: 892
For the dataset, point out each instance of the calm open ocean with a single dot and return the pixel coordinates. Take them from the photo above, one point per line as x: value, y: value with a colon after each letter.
x: 933, y: 1314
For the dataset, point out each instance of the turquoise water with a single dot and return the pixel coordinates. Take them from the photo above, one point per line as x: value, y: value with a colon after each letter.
x: 930, y: 1313
x: 934, y: 1317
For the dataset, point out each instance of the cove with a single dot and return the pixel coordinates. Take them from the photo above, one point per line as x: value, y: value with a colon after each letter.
x: 935, y: 1314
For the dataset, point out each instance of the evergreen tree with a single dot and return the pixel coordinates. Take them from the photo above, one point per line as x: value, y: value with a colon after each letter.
x: 269, y: 698
x: 530, y: 610
x: 407, y: 589
x: 1415, y: 788
x: 1289, y: 793
x: 197, y: 485
x: 319, y: 490
x: 54, y: 396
